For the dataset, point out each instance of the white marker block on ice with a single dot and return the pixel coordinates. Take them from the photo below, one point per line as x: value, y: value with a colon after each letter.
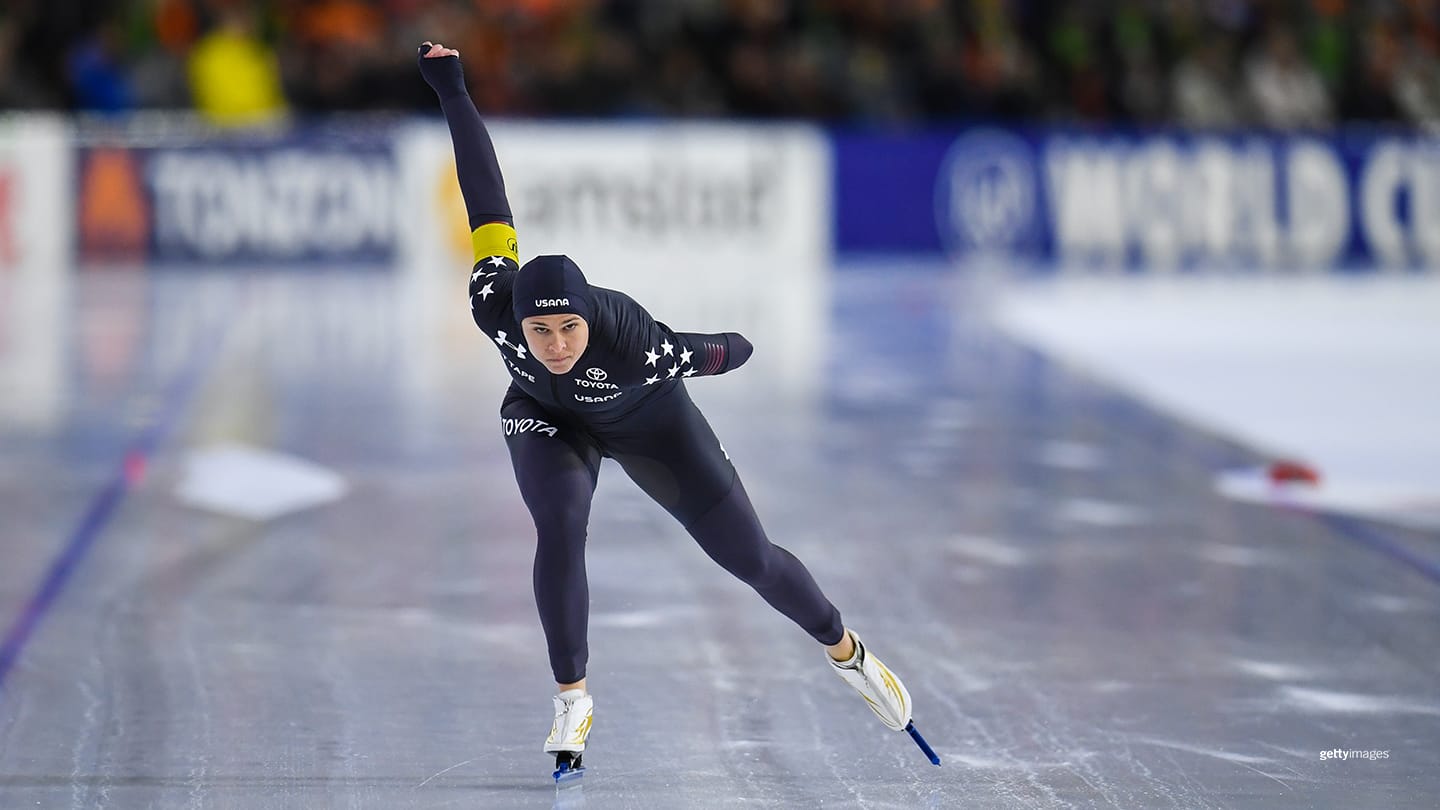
x: 253, y: 483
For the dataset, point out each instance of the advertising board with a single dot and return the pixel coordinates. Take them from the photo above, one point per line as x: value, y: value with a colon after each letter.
x: 1151, y: 202
x: 304, y: 197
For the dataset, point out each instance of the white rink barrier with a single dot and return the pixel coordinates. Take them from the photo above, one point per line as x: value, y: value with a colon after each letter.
x: 36, y: 211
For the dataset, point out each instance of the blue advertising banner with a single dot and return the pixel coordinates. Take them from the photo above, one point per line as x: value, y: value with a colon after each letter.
x: 302, y: 199
x: 1165, y: 200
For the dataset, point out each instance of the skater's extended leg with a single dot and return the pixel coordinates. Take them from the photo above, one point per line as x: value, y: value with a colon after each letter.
x: 730, y: 533
x: 687, y: 472
x: 678, y: 461
x: 557, y: 481
x: 557, y: 468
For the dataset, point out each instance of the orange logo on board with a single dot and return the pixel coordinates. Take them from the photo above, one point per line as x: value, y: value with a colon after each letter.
x: 114, y: 214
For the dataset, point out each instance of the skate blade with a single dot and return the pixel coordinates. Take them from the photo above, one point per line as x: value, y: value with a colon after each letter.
x: 568, y: 767
x: 924, y: 746
x: 566, y: 774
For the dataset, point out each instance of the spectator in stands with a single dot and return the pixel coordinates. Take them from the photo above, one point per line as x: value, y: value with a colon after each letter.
x: 1202, y: 87
x: 1143, y: 94
x: 979, y: 67
x: 1417, y: 82
x: 1141, y: 91
x: 1075, y: 58
x: 1369, y: 95
x: 97, y: 74
x: 234, y: 75
x: 809, y: 89
x: 21, y: 85
x: 682, y: 86
x: 157, y: 67
x: 342, y: 61
x: 1285, y: 91
x: 902, y: 61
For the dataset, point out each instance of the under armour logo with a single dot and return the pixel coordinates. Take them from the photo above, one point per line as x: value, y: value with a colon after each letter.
x: 519, y: 350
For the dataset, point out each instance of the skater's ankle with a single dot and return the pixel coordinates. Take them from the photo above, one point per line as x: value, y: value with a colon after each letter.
x: 843, y: 651
x: 566, y: 687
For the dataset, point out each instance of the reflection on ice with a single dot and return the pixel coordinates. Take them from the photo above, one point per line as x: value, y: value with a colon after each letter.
x: 570, y: 794
x: 1327, y: 702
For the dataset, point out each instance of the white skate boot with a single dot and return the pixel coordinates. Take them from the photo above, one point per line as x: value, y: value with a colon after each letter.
x: 877, y: 684
x: 573, y: 710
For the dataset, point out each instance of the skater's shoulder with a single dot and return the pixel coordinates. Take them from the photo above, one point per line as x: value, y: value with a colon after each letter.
x: 492, y: 283
x: 498, y: 264
x: 613, y: 300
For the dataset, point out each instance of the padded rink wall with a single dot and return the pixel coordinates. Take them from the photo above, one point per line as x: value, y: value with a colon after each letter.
x: 715, y: 226
x: 35, y: 250
x: 725, y: 207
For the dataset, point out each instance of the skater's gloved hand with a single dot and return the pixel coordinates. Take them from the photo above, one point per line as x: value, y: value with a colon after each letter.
x: 740, y: 350
x: 441, y: 68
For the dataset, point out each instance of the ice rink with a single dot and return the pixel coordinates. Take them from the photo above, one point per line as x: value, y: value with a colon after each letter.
x: 1081, y: 618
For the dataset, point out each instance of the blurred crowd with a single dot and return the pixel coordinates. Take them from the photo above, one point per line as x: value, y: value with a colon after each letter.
x: 1198, y: 63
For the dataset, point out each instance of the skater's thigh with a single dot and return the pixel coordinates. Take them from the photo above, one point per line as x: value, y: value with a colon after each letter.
x: 677, y: 460
x: 556, y: 464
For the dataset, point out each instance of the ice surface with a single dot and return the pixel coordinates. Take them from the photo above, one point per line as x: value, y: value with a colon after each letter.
x: 1338, y: 371
x: 1081, y: 620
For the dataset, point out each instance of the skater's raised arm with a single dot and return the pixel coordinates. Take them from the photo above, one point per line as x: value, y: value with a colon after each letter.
x: 492, y: 230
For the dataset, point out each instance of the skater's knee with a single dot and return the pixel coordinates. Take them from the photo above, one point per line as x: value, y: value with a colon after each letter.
x: 559, y: 557
x: 756, y: 567
x: 561, y: 525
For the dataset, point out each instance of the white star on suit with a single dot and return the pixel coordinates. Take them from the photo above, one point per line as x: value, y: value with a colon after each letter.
x: 651, y: 380
x: 496, y: 261
x: 688, y: 372
x: 674, y: 369
x: 475, y: 276
x: 685, y: 356
x: 487, y: 290
x: 667, y: 347
x: 651, y: 357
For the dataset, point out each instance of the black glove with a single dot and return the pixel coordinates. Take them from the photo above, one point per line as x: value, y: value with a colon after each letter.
x: 443, y: 74
x: 739, y: 350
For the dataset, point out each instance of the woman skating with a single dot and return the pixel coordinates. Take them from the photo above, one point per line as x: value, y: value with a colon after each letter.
x: 593, y: 376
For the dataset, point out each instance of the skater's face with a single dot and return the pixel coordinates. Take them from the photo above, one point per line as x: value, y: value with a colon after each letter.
x: 558, y: 340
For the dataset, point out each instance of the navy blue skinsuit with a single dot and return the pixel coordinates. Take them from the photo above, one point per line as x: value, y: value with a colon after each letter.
x: 625, y: 398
